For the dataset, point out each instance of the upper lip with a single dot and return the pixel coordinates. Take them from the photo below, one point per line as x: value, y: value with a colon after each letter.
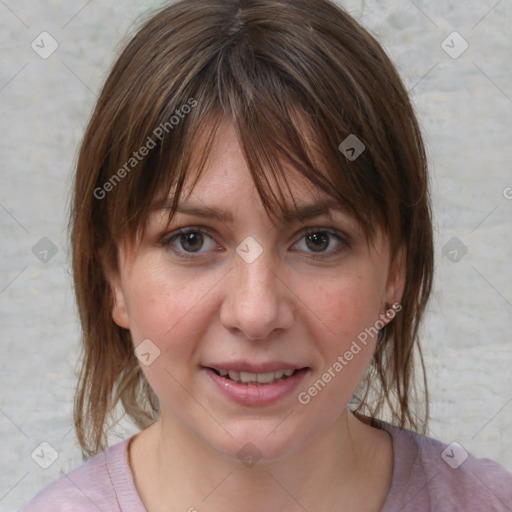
x: 244, y: 366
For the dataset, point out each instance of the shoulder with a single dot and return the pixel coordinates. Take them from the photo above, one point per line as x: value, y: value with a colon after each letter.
x: 429, y: 474
x: 96, y: 485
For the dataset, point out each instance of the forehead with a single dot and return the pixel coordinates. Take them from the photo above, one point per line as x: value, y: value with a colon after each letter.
x: 225, y: 176
x: 220, y: 184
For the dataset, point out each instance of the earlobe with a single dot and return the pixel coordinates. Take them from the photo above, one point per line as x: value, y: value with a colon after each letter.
x: 396, y: 278
x: 119, y: 310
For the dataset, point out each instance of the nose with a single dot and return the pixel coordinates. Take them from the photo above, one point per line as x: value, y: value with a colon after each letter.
x: 257, y: 302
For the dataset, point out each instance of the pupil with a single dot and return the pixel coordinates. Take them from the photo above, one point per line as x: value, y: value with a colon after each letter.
x: 317, y: 241
x: 192, y: 242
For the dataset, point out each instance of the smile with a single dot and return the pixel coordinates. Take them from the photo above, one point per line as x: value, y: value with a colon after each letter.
x: 254, y: 378
x: 265, y: 385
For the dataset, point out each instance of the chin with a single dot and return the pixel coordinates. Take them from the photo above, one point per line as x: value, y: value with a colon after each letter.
x: 259, y: 442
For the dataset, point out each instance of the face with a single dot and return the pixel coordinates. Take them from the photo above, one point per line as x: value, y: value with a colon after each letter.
x: 255, y: 325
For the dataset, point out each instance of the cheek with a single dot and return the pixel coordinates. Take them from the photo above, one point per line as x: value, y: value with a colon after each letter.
x: 172, y: 310
x: 341, y: 315
x: 169, y: 308
x: 344, y: 306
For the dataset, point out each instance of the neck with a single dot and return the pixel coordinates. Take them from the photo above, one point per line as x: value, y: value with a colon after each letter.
x: 330, y: 472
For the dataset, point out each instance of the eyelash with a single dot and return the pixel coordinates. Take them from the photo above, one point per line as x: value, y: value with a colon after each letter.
x: 341, y: 238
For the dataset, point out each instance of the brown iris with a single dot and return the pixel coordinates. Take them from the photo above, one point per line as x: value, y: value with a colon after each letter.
x: 192, y: 241
x: 317, y: 241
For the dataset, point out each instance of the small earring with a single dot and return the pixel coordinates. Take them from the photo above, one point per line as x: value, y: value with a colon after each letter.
x: 393, y: 310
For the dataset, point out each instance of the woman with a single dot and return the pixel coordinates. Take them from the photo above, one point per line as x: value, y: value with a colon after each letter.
x: 252, y: 255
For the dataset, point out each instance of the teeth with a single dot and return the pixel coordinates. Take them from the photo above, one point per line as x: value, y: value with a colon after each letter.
x: 265, y: 378
x: 234, y: 375
x: 247, y: 377
x: 259, y: 378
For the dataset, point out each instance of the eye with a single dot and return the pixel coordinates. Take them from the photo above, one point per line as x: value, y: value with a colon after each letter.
x: 186, y: 242
x: 321, y: 242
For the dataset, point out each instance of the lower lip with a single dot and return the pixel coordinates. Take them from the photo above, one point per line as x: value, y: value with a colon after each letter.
x: 257, y: 395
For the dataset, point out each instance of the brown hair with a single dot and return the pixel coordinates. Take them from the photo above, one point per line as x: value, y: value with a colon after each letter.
x: 296, y: 78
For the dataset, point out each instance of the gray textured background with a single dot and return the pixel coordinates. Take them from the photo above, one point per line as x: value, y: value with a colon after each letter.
x: 465, y: 107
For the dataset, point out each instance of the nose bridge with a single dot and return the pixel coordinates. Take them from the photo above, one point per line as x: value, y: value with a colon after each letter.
x: 255, y: 277
x: 256, y: 293
x: 257, y: 302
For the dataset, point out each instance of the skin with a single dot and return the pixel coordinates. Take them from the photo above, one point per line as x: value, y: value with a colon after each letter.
x: 291, y: 304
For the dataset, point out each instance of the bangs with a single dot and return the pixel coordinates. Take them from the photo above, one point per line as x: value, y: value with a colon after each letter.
x: 282, y: 121
x: 292, y: 104
x: 277, y: 146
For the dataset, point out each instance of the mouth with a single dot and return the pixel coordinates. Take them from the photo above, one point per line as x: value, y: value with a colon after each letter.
x: 251, y: 384
x: 265, y: 385
x: 256, y: 379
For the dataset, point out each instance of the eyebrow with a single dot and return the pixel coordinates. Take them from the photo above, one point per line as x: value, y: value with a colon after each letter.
x: 296, y: 213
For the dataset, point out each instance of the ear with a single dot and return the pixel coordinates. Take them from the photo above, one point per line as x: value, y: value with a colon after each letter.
x: 119, y: 309
x: 396, y: 278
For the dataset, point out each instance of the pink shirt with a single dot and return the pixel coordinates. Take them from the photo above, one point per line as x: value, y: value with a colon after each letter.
x: 423, y: 480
